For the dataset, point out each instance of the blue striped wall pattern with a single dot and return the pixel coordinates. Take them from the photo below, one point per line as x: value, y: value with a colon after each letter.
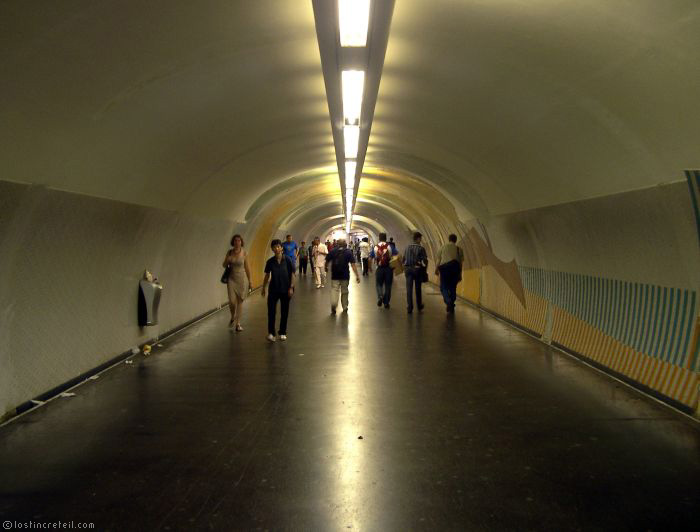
x: 655, y: 320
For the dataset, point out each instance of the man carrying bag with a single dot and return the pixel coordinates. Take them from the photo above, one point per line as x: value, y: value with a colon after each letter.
x: 449, y: 267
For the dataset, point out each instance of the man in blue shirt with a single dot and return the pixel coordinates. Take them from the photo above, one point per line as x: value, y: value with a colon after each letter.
x: 394, y: 251
x: 291, y: 250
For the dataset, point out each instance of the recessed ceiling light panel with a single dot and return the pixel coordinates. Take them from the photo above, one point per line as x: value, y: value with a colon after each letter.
x: 353, y: 84
x: 353, y: 22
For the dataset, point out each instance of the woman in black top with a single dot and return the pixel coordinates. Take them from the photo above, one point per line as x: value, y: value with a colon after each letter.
x: 279, y: 273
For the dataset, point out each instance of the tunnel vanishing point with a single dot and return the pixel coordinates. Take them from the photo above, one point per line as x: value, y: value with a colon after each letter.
x: 558, y: 140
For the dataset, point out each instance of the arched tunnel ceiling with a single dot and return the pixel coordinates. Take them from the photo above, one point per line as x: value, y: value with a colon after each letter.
x: 218, y: 108
x: 541, y: 102
x: 190, y: 106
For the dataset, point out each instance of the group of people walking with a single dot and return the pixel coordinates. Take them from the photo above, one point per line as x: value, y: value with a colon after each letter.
x: 281, y: 271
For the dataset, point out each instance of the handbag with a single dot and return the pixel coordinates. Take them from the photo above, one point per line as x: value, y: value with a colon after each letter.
x: 396, y: 264
x: 423, y: 274
x: 227, y: 272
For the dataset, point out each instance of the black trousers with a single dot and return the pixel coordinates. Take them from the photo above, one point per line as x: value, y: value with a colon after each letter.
x: 413, y: 277
x: 302, y: 265
x: 272, y: 299
x: 365, y: 267
x: 449, y: 277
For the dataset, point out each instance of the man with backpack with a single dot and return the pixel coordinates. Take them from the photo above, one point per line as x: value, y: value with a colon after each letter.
x: 339, y: 259
x: 385, y: 275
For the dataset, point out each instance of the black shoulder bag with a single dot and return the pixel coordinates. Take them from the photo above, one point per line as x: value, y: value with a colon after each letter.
x: 227, y: 272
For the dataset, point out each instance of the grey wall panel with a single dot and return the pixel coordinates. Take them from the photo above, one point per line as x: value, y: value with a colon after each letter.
x: 646, y: 236
x: 69, y: 271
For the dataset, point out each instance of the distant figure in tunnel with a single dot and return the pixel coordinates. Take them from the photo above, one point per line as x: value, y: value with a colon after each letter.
x: 303, y: 258
x: 238, y: 284
x: 385, y: 275
x: 319, y: 254
x: 364, y: 256
x: 449, y: 267
x: 291, y: 250
x: 415, y: 262
x: 392, y: 245
x: 339, y: 259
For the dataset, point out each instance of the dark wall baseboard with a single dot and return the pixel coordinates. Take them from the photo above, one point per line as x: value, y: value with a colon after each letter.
x: 634, y: 384
x: 685, y: 409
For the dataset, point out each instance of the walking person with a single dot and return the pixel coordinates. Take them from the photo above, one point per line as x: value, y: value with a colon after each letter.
x: 279, y: 273
x: 238, y: 284
x: 339, y: 259
x: 364, y: 256
x: 394, y: 251
x: 303, y: 258
x: 291, y: 250
x: 320, y: 253
x: 415, y: 262
x: 385, y: 275
x: 449, y: 267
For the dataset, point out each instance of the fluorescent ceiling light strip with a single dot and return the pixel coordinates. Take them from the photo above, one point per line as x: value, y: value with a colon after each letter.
x: 353, y: 21
x: 353, y: 82
x: 350, y: 169
x: 349, y: 179
x: 351, y: 136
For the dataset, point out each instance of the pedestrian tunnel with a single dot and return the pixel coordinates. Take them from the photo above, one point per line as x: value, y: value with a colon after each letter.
x: 557, y: 140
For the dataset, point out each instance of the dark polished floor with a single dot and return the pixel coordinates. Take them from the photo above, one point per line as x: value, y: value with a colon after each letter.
x: 373, y: 420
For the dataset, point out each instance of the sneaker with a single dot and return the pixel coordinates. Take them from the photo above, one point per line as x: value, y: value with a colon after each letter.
x: 387, y: 305
x: 283, y: 337
x: 409, y: 311
x: 333, y: 310
x: 238, y: 327
x: 318, y: 286
x: 420, y: 307
x: 323, y: 286
x: 379, y: 302
x: 271, y: 338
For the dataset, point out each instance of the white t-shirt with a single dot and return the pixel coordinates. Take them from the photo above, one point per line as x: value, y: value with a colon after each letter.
x: 364, y: 250
x: 321, y: 252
